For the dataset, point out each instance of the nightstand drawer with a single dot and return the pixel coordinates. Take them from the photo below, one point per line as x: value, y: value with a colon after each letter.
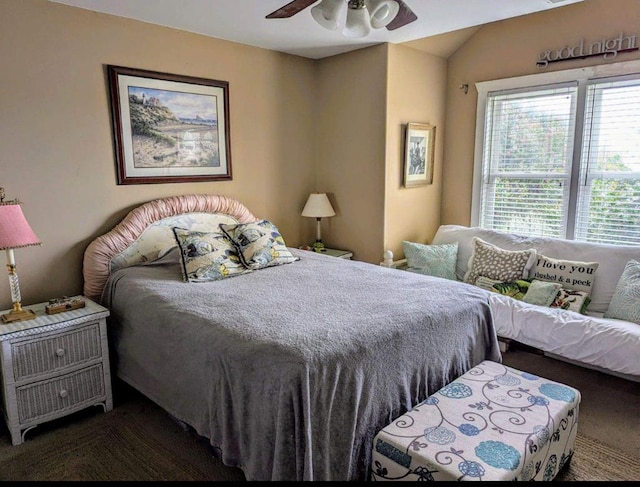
x: 57, y: 352
x: 66, y: 392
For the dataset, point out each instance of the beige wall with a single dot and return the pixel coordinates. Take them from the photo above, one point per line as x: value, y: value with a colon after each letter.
x: 297, y: 126
x: 55, y: 134
x: 351, y: 147
x: 365, y: 99
x: 507, y: 49
x: 416, y: 93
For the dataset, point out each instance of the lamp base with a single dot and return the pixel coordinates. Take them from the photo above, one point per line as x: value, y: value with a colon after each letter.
x: 20, y: 315
x: 318, y: 247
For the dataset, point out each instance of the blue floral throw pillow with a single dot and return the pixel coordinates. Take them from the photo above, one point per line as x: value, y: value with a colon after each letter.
x: 207, y: 256
x: 259, y: 244
x: 432, y: 260
x: 625, y: 303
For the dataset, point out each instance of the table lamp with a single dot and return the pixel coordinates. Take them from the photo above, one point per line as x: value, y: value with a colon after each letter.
x: 15, y: 232
x: 318, y: 206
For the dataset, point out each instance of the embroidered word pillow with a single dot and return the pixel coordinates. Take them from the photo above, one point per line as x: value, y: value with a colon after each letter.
x: 570, y: 274
x: 207, y: 256
x: 432, y: 260
x: 496, y: 263
x: 259, y: 244
x: 625, y: 304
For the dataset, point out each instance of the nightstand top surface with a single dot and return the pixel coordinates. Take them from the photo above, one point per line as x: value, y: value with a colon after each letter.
x: 90, y: 311
x: 335, y: 252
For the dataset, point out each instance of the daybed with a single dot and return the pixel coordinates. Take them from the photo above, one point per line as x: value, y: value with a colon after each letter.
x: 289, y: 370
x: 606, y: 344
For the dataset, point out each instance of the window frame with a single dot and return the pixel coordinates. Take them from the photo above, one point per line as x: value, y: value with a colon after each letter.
x: 490, y: 173
x: 583, y: 77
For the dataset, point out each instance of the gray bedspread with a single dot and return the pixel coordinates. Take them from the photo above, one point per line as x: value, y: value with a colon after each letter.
x: 290, y: 371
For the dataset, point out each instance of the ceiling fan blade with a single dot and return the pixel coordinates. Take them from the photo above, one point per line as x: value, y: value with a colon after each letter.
x: 404, y: 16
x: 290, y: 9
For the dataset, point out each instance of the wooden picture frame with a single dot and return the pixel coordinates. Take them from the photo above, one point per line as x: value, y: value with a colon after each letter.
x: 169, y: 128
x: 418, y: 155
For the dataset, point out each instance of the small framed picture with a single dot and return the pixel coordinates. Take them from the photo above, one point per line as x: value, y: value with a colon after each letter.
x: 169, y: 128
x: 418, y: 155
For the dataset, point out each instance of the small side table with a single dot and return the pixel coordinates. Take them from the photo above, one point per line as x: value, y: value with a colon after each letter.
x: 53, y: 365
x: 340, y: 254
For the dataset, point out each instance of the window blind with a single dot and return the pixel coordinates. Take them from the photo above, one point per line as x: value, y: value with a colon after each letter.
x: 527, y: 160
x: 609, y: 187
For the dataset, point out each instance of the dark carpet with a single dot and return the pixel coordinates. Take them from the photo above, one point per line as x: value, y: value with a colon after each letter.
x: 139, y: 441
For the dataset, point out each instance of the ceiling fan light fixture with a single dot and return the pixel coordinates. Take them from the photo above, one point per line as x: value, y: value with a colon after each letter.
x: 354, y: 18
x: 327, y: 13
x: 382, y: 12
x: 358, y: 22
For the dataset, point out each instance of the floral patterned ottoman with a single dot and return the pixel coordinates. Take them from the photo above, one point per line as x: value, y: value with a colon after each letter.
x: 492, y: 423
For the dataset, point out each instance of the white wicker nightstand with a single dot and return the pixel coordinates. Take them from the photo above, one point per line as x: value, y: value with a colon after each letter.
x: 53, y: 365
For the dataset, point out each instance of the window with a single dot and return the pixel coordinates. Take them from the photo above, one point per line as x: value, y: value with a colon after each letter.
x: 558, y: 155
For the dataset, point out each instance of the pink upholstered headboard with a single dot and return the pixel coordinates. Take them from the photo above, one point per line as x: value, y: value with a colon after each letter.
x: 98, y: 256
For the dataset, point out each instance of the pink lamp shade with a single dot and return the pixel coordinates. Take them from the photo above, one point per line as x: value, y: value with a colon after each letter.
x: 15, y: 232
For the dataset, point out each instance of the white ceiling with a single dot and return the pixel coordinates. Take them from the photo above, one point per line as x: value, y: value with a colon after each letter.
x: 244, y: 21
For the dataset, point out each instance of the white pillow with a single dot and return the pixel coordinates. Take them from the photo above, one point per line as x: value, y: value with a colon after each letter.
x: 570, y: 274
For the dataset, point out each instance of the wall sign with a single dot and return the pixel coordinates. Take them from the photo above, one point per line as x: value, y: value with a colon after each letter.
x: 607, y: 48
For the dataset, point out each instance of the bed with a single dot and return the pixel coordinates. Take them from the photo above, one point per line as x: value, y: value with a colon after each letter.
x: 289, y: 370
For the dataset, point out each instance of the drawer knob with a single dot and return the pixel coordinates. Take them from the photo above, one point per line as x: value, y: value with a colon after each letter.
x: 63, y: 393
x: 60, y: 352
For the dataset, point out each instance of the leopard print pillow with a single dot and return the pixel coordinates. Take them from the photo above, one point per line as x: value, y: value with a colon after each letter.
x: 496, y: 263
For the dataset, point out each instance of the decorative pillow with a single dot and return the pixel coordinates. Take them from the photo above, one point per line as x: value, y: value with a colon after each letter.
x: 625, y: 304
x: 432, y: 260
x: 207, y: 256
x: 569, y: 274
x: 486, y: 283
x: 542, y: 293
x: 496, y: 263
x: 572, y: 300
x: 514, y: 289
x: 259, y: 244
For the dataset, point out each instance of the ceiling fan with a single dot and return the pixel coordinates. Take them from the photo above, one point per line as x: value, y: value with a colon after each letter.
x: 361, y: 14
